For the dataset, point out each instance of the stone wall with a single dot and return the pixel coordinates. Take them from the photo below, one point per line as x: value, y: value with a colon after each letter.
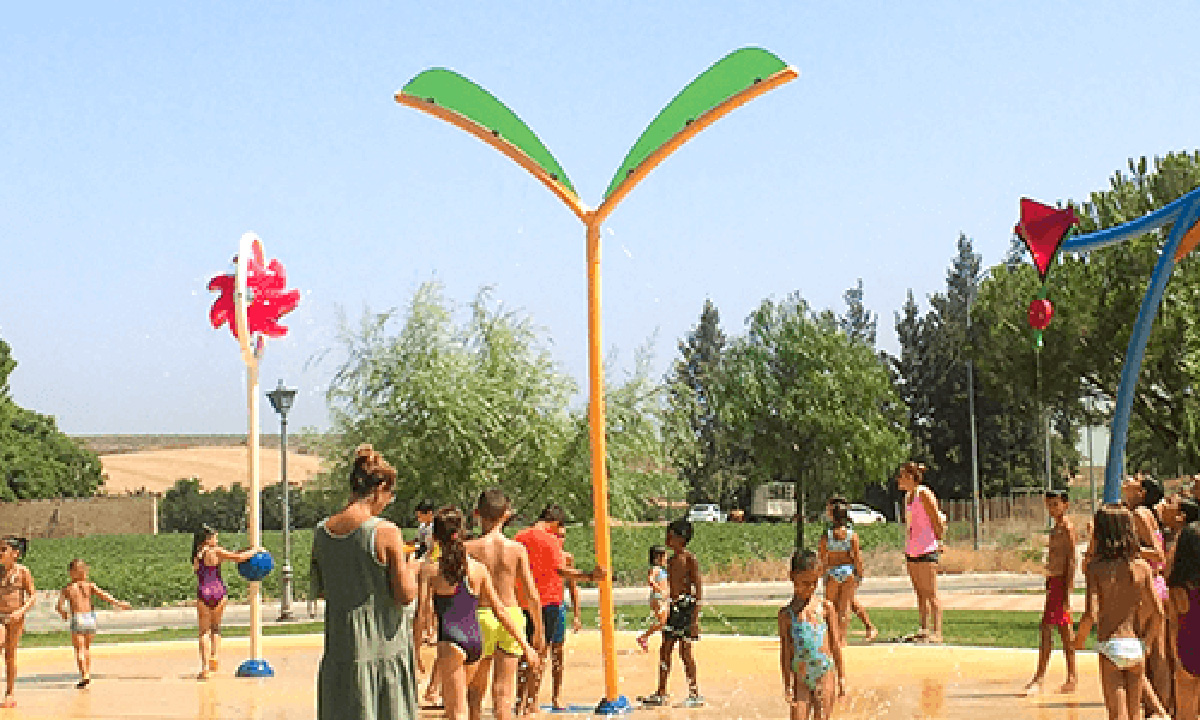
x: 76, y: 517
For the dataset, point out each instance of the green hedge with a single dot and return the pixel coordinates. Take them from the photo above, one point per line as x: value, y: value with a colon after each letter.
x: 154, y: 570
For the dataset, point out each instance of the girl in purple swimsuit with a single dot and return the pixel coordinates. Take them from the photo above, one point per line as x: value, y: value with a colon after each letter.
x: 452, y: 589
x: 1183, y: 607
x: 207, y: 556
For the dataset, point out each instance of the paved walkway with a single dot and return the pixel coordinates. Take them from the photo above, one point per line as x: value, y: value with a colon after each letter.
x: 990, y: 591
x: 738, y: 676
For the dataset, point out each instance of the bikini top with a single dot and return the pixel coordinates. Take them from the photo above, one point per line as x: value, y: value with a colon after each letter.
x: 10, y: 584
x: 832, y: 544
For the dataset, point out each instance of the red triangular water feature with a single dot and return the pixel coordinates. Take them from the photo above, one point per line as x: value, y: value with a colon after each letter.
x: 1043, y: 228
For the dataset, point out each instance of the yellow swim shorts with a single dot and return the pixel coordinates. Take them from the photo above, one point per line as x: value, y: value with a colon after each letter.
x: 495, y: 637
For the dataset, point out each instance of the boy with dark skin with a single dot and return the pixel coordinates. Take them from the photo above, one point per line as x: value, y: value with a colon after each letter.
x: 508, y: 562
x: 16, y: 597
x: 1060, y: 576
x: 683, y: 619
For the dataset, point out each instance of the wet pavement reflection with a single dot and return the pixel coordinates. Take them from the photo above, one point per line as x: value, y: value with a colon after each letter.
x: 739, y: 677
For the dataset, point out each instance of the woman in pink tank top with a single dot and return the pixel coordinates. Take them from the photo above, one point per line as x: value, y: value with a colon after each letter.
x: 922, y: 548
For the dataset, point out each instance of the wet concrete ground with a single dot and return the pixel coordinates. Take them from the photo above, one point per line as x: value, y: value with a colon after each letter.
x: 738, y: 676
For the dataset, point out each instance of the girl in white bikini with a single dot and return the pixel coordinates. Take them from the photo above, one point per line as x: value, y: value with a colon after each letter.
x: 1125, y: 608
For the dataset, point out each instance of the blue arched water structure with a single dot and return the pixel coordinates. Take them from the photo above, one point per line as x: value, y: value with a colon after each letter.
x: 1184, y: 213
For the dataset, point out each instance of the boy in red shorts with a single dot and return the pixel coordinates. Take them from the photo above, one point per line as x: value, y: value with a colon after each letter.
x: 1060, y: 576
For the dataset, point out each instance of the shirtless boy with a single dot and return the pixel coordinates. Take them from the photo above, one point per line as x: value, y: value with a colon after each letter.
x: 1060, y: 576
x: 683, y: 620
x: 508, y: 562
x: 16, y: 597
x: 77, y: 596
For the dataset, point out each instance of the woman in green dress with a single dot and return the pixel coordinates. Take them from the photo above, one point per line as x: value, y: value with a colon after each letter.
x: 359, y: 566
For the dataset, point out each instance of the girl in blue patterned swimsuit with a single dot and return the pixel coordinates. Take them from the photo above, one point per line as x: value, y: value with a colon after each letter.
x: 810, y: 646
x: 841, y: 556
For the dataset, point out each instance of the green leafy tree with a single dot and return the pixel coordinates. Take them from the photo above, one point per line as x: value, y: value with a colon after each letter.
x: 639, y: 467
x: 810, y: 404
x: 185, y: 508
x: 697, y: 441
x: 931, y: 375
x: 1096, y: 299
x: 36, y: 459
x: 454, y: 407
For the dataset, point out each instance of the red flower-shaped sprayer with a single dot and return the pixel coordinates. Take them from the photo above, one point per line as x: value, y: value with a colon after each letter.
x: 268, y: 297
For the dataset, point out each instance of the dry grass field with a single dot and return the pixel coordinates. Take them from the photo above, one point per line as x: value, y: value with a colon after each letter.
x: 158, y: 470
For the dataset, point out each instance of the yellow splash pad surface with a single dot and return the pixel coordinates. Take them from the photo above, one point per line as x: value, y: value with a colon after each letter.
x: 739, y: 677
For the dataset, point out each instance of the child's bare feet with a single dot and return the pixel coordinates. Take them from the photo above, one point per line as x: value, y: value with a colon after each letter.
x: 202, y: 675
x: 1068, y: 686
x: 1033, y: 687
x: 872, y: 633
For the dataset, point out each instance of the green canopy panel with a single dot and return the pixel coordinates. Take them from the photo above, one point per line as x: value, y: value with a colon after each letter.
x: 727, y: 77
x: 452, y: 91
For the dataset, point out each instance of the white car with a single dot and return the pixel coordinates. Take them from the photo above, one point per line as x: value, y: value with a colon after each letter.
x: 706, y: 512
x: 865, y: 514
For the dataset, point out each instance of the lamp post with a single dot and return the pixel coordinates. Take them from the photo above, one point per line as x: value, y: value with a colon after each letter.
x: 281, y: 400
x: 971, y: 411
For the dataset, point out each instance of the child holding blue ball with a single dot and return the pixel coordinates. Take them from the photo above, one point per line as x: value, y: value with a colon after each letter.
x: 211, y: 593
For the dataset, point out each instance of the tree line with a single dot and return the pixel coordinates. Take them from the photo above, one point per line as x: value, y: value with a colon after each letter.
x: 459, y: 397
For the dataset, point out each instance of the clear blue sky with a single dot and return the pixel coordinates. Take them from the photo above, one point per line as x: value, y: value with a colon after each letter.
x: 139, y: 141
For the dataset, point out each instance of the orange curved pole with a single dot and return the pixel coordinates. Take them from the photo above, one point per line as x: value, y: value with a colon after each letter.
x: 599, y: 444
x: 734, y: 102
x: 512, y: 152
x: 1189, y: 242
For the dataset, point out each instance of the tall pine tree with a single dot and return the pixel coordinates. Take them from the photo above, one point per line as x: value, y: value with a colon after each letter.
x: 697, y: 447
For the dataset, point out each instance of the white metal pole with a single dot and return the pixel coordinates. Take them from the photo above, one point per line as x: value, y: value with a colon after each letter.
x: 255, y: 666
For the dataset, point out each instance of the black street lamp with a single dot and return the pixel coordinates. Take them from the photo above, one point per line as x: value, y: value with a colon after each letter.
x: 281, y: 400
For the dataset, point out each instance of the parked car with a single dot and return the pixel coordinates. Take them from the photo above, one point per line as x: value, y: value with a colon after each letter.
x: 706, y: 512
x: 865, y: 514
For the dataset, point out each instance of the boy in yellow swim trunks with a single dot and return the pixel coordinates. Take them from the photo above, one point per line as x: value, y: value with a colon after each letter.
x: 508, y: 562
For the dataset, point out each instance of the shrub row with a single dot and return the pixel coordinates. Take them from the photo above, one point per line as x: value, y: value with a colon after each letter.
x: 155, y: 570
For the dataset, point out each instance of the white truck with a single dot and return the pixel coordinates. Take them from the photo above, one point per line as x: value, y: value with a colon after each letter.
x: 773, y: 502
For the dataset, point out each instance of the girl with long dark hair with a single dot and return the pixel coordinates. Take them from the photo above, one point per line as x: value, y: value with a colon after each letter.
x: 1125, y: 608
x: 453, y: 588
x: 211, y: 593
